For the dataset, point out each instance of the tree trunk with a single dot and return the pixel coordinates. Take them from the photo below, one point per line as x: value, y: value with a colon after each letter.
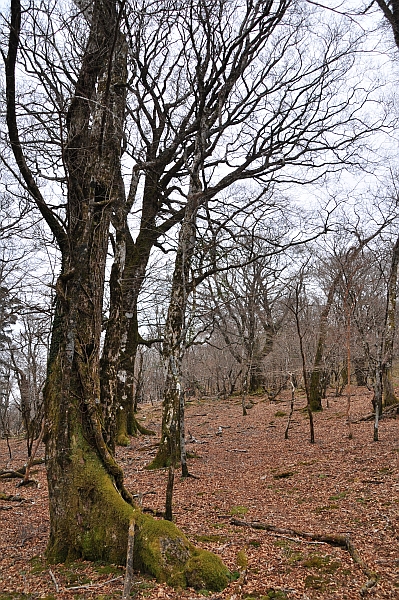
x: 175, y: 334
x: 389, y: 398
x: 303, y: 358
x: 315, y: 387
x: 89, y: 516
x: 90, y: 509
x: 377, y: 399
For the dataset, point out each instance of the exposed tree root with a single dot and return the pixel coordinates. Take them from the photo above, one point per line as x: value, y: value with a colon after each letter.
x: 143, y: 430
x: 342, y: 541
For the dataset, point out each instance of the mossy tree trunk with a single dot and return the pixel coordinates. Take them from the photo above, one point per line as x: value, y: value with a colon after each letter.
x: 88, y: 509
x: 389, y: 398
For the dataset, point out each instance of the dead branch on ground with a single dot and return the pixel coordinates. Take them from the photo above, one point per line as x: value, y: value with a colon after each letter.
x: 343, y: 541
x: 19, y: 473
x: 11, y: 498
x: 390, y: 412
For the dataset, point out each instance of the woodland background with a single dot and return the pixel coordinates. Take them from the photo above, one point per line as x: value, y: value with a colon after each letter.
x: 199, y: 207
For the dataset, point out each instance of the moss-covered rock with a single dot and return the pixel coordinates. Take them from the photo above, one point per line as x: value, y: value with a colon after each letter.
x: 205, y: 570
x: 165, y: 552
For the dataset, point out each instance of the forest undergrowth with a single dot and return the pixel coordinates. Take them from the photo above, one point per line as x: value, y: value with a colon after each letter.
x: 246, y: 476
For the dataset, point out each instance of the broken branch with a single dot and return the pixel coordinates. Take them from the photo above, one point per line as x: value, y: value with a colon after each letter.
x: 342, y: 541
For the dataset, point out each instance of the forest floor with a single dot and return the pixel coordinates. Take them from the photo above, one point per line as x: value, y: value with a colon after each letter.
x: 245, y: 470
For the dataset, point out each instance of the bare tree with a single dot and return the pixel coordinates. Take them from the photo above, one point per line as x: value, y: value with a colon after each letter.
x: 90, y: 507
x: 253, y: 126
x: 112, y: 93
x: 297, y: 306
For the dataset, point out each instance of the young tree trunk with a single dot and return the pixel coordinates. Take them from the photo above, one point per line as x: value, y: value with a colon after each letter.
x: 175, y: 334
x: 377, y: 399
x: 303, y: 358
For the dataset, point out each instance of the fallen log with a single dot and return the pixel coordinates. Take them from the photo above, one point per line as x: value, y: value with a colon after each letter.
x: 19, y: 473
x: 342, y: 541
x: 390, y: 412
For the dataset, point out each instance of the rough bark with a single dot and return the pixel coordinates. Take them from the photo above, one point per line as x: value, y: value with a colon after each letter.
x: 90, y: 508
x: 389, y: 398
x: 86, y: 490
x: 391, y: 13
x: 174, y: 340
x: 316, y: 374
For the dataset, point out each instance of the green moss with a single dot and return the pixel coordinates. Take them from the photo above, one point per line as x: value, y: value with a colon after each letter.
x: 107, y: 569
x: 338, y: 496
x: 96, y: 520
x: 294, y: 557
x: 96, y: 523
x: 238, y: 510
x: 165, y: 552
x: 206, y: 571
x: 273, y: 594
x: 280, y: 413
x: 283, y: 543
x: 161, y: 549
x: 322, y: 563
x: 218, y: 525
x: 211, y: 538
x: 321, y: 509
x: 159, y: 462
x: 315, y: 582
x: 242, y: 559
x: 123, y: 440
x: 37, y: 565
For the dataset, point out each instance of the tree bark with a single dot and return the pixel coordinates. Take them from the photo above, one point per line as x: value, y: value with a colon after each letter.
x: 87, y: 495
x: 389, y: 398
x: 90, y: 508
x: 316, y: 374
x: 175, y: 333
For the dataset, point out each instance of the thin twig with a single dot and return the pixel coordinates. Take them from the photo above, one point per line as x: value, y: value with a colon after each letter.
x: 57, y: 588
x: 92, y: 585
